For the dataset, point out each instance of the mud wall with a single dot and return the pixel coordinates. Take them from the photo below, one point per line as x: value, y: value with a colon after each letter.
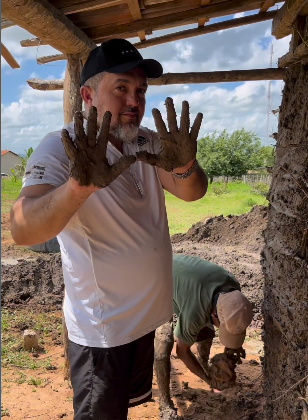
x: 285, y: 258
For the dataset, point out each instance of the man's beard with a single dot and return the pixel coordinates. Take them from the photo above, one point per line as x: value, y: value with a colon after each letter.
x: 126, y: 133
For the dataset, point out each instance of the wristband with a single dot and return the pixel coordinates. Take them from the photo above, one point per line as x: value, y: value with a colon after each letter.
x: 188, y: 172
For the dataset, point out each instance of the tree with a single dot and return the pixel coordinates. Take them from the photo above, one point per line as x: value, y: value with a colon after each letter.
x: 229, y: 155
x: 269, y: 157
x: 21, y: 168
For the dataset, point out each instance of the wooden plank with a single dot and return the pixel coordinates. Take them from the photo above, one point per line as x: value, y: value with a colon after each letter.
x: 72, y: 100
x: 9, y: 58
x: 47, y: 23
x: 155, y: 2
x: 135, y: 11
x: 266, y: 5
x: 102, y: 18
x: 51, y: 58
x: 33, y: 42
x: 89, y: 5
x: 292, y: 57
x: 186, y: 78
x: 232, y: 23
x: 219, y: 9
x: 286, y: 15
x: 202, y: 21
x: 6, y: 23
x: 39, y: 84
x: 218, y: 77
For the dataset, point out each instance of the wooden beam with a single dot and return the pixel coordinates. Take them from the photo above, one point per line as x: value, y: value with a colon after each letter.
x: 228, y: 24
x: 90, y: 5
x: 218, y: 77
x: 186, y: 78
x: 9, y: 58
x: 6, y: 23
x: 135, y: 11
x: 51, y: 58
x: 72, y: 100
x: 202, y: 21
x: 215, y: 10
x: 286, y: 15
x: 47, y: 23
x: 292, y: 57
x: 266, y: 5
x: 33, y: 42
x: 39, y: 84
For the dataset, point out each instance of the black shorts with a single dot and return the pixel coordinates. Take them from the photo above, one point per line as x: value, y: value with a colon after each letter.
x: 106, y: 381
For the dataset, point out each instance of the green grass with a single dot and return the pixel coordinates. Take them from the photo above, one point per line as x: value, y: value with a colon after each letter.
x: 237, y: 200
x: 12, y: 353
x: 9, y: 193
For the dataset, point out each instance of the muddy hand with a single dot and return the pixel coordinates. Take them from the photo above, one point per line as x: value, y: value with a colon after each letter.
x: 178, y: 145
x: 236, y: 354
x: 87, y: 154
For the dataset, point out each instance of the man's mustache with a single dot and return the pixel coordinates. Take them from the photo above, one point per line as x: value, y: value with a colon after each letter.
x: 130, y: 109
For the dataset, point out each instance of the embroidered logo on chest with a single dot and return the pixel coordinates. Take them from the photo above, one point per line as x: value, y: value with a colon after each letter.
x: 142, y: 140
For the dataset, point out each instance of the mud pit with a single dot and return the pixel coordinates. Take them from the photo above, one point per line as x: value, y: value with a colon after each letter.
x: 235, y: 242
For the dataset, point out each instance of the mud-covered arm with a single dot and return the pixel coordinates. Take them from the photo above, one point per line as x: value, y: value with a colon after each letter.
x: 184, y: 353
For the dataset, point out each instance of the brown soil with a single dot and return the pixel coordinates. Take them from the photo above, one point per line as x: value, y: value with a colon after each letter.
x: 234, y: 242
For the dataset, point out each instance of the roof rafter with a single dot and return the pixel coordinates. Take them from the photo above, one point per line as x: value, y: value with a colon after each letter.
x: 227, y: 24
x: 47, y: 23
x: 90, y: 5
x: 286, y: 15
x: 186, y: 78
x: 217, y: 9
x: 135, y: 11
x: 9, y: 58
x: 266, y: 5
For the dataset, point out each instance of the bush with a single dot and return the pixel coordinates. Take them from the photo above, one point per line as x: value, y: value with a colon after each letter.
x: 250, y: 202
x: 219, y: 189
x: 260, y: 188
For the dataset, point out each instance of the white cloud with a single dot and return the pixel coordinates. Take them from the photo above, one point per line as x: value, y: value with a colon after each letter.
x: 25, y: 122
x: 239, y: 15
x: 33, y: 114
x: 11, y: 38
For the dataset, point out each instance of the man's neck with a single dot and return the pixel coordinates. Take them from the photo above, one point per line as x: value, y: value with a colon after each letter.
x: 118, y: 144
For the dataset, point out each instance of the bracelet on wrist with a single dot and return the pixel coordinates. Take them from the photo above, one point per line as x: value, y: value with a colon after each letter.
x: 188, y: 172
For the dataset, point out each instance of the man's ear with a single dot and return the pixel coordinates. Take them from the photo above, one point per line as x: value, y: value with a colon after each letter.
x: 87, y: 95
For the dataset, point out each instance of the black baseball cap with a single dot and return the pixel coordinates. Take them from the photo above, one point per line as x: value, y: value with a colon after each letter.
x: 118, y: 56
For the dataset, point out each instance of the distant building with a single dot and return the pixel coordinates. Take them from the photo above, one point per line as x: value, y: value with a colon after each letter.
x: 9, y: 160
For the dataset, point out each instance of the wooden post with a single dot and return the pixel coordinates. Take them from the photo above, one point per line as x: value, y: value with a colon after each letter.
x: 30, y: 340
x: 72, y: 100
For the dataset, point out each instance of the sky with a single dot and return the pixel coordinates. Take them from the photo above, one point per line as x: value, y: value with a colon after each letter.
x: 27, y: 115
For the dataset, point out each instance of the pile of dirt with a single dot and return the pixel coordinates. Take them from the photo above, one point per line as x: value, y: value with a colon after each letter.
x: 244, y: 230
x: 36, y: 282
x: 234, y: 242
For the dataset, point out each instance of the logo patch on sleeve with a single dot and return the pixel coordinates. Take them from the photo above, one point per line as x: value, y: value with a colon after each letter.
x: 36, y: 172
x: 142, y: 140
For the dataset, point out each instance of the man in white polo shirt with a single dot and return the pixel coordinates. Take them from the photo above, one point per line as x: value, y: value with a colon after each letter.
x: 102, y: 195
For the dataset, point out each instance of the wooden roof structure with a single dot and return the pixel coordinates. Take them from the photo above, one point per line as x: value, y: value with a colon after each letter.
x: 75, y: 27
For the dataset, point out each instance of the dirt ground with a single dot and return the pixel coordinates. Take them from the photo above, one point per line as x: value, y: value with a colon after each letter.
x: 33, y: 282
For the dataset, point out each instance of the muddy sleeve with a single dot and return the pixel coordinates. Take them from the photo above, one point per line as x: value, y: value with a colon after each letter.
x: 48, y: 163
